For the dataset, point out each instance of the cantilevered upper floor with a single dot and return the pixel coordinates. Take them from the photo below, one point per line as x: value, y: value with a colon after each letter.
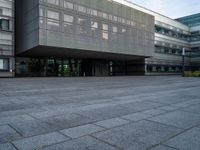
x: 86, y: 28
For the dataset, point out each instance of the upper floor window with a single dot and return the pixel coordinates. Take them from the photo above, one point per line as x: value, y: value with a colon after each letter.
x: 94, y: 24
x: 55, y: 2
x: 105, y: 27
x: 4, y: 24
x: 82, y: 9
x: 68, y: 18
x: 53, y: 15
x: 4, y: 64
x: 68, y: 5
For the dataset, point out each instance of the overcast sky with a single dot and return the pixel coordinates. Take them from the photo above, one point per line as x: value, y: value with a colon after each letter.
x: 171, y: 8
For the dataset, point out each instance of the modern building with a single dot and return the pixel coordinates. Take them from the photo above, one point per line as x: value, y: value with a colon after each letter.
x: 193, y: 22
x: 100, y: 38
x: 7, y: 60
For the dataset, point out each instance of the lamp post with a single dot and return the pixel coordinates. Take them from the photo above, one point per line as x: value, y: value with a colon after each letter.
x: 183, y: 62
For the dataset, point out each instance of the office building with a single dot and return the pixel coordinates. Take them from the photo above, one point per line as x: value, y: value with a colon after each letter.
x: 7, y: 61
x: 193, y: 22
x: 100, y: 38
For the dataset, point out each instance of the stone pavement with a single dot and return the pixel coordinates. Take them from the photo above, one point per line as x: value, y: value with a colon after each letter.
x: 108, y: 113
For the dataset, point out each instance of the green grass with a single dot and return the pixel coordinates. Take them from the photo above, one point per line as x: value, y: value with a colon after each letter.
x: 192, y: 74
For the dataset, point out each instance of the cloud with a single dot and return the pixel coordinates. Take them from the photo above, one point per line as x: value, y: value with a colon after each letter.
x: 171, y: 8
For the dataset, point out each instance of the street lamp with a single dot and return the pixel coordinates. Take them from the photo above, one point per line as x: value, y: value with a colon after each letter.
x: 183, y: 62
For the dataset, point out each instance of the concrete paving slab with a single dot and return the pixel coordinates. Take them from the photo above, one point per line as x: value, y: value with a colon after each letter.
x: 8, y: 134
x: 15, y: 119
x: 136, y: 116
x: 7, y: 146
x: 192, y: 109
x: 67, y: 121
x: 105, y: 113
x: 84, y: 143
x: 154, y: 112
x: 81, y: 130
x: 144, y: 134
x: 111, y: 123
x: 37, y: 142
x: 189, y: 140
x: 179, y: 119
x: 32, y: 128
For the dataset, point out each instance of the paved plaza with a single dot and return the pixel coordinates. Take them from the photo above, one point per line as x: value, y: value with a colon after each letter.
x: 108, y: 113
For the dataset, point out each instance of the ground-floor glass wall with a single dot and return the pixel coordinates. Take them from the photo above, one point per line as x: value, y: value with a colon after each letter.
x: 67, y: 67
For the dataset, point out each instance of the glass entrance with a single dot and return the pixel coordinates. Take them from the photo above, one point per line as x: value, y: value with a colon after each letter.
x: 48, y: 67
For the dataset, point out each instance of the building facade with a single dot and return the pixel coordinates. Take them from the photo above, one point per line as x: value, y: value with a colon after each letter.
x: 193, y: 22
x: 98, y: 38
x: 89, y: 37
x: 7, y: 60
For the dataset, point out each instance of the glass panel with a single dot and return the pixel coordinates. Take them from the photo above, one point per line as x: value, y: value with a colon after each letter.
x: 4, y: 64
x: 68, y: 18
x: 53, y: 15
x: 4, y: 24
x: 55, y: 2
x: 68, y: 5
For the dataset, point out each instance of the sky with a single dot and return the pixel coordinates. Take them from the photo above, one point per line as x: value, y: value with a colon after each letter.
x: 171, y: 8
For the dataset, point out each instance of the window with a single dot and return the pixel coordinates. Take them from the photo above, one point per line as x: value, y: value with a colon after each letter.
x: 115, y: 30
x: 94, y: 29
x: 82, y: 9
x: 4, y: 24
x: 68, y: 23
x: 55, y: 2
x: 4, y: 64
x: 82, y: 21
x: 123, y: 30
x: 105, y: 31
x: 53, y: 20
x: 68, y: 5
x: 105, y: 15
x: 93, y: 12
x: 6, y: 12
x: 105, y: 35
x: 53, y: 15
x: 83, y: 26
x: 68, y: 18
x: 94, y: 24
x: 115, y: 18
x: 105, y: 27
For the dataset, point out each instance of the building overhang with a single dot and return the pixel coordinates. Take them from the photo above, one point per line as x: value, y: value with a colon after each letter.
x: 46, y: 51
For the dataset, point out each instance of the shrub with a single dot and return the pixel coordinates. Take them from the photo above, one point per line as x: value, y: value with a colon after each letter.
x: 192, y: 74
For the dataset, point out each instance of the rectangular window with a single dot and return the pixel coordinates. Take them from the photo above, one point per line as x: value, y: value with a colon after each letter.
x: 68, y: 18
x: 123, y: 30
x: 68, y: 5
x: 55, y: 2
x: 94, y: 24
x: 4, y: 64
x: 53, y: 15
x: 115, y: 18
x: 105, y: 27
x: 82, y: 9
x: 82, y: 21
x: 115, y: 29
x: 4, y: 24
x: 105, y: 15
x: 51, y: 22
x: 110, y: 17
x: 93, y: 12
x: 105, y: 35
x: 6, y: 12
